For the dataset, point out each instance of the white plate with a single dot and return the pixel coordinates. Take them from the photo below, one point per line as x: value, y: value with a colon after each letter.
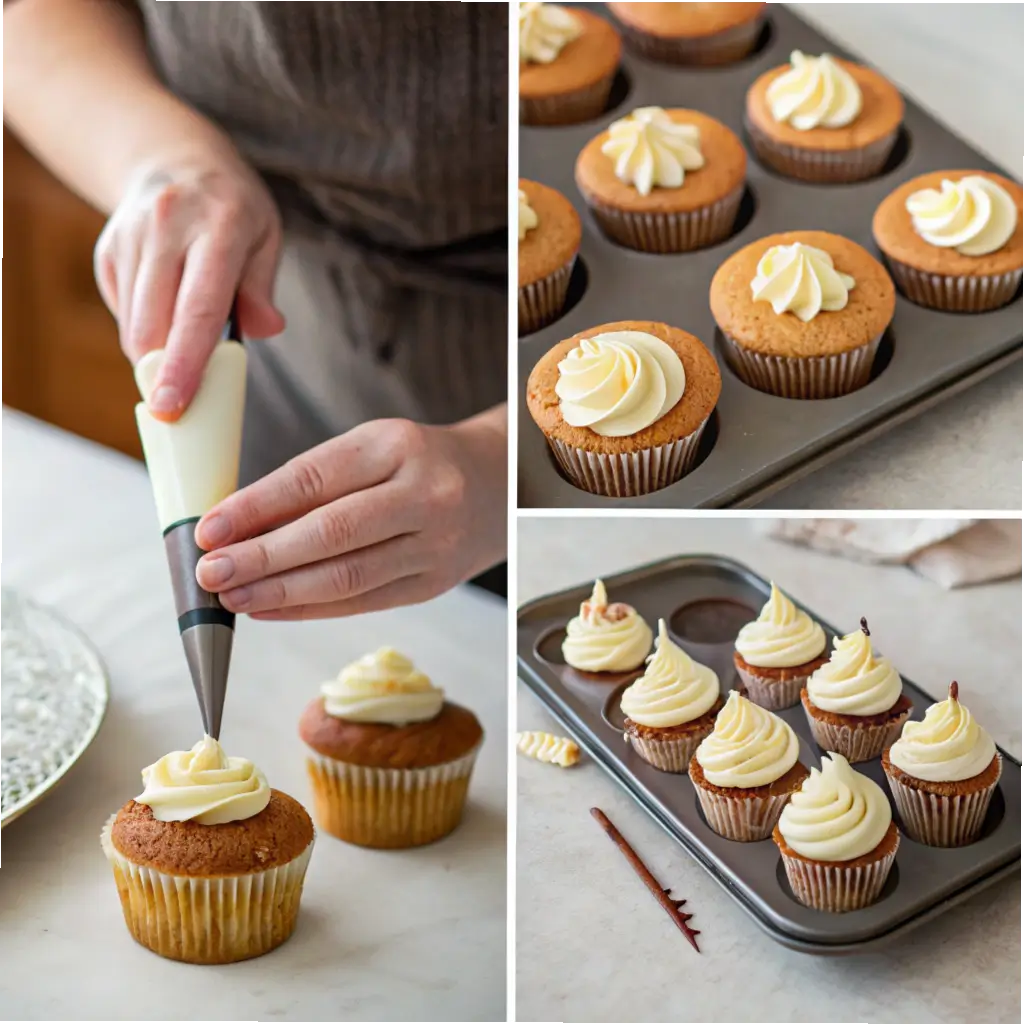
x: 53, y: 695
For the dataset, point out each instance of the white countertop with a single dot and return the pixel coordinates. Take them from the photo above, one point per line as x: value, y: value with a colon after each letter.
x: 593, y: 945
x: 405, y: 935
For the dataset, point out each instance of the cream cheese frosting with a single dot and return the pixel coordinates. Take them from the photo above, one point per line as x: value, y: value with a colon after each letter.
x: 815, y: 92
x: 782, y: 636
x: 528, y: 218
x: 674, y: 688
x: 203, y: 785
x: 974, y: 215
x: 651, y: 150
x: 544, y: 30
x: 854, y: 681
x: 748, y: 747
x: 606, y: 637
x: 836, y: 815
x: 948, y: 746
x: 619, y: 382
x: 384, y: 687
x: 800, y: 279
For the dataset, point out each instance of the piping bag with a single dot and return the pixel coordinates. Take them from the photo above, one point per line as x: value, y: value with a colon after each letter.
x: 193, y: 465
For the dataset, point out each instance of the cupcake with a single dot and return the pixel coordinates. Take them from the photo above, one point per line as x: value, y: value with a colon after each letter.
x: 664, y: 180
x: 854, y: 703
x: 837, y: 838
x: 746, y: 770
x: 823, y: 119
x: 567, y: 64
x: 671, y: 707
x: 701, y: 34
x: 209, y: 860
x: 389, y: 758
x: 802, y: 313
x: 953, y: 239
x: 777, y: 652
x: 606, y: 639
x: 942, y: 773
x: 549, y: 239
x: 623, y: 405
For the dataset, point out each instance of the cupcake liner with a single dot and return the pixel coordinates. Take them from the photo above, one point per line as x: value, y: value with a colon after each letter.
x: 802, y: 377
x: 542, y: 302
x: 668, y: 232
x: 389, y: 808
x: 670, y: 755
x: 837, y: 888
x: 567, y: 108
x: 207, y: 920
x: 628, y: 474
x: 856, y: 743
x: 744, y: 819
x: 773, y: 694
x: 942, y: 820
x: 819, y: 165
x: 725, y: 47
x: 955, y: 294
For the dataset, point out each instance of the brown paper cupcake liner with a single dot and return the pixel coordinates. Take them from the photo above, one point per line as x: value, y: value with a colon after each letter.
x: 955, y: 294
x: 542, y: 302
x: 670, y: 755
x: 207, y: 920
x: 389, y: 808
x: 668, y: 232
x: 802, y: 377
x: 628, y: 474
x: 744, y: 819
x: 773, y: 694
x: 568, y: 108
x: 942, y: 820
x: 856, y: 743
x: 838, y: 888
x: 725, y: 47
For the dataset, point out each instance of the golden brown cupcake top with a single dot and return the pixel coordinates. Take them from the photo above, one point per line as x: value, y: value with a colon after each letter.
x: 584, y: 61
x: 686, y: 21
x: 556, y: 238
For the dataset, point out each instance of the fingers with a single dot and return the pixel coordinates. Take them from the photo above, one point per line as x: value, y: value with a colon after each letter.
x: 153, y: 297
x: 409, y: 590
x: 257, y: 315
x: 126, y: 263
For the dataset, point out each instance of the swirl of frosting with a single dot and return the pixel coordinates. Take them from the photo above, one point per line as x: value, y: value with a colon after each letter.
x: 650, y: 149
x: 974, y: 215
x: 815, y: 92
x: 544, y: 29
x: 853, y: 681
x: 528, y: 219
x: 782, y: 636
x: 947, y: 746
x: 837, y: 814
x: 620, y: 382
x: 203, y: 785
x: 749, y: 746
x: 383, y: 687
x: 606, y: 637
x: 800, y: 279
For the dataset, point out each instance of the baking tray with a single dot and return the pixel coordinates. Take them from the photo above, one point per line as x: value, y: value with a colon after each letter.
x: 924, y: 882
x: 755, y: 443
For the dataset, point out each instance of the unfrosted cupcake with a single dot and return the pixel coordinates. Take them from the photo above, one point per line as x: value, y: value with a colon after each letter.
x: 389, y: 758
x: 671, y: 707
x: 209, y: 860
x: 855, y: 703
x: 606, y: 640
x: 942, y: 773
x: 746, y: 770
x: 777, y: 653
x: 837, y: 838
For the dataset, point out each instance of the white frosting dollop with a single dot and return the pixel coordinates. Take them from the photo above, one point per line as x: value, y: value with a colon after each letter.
x: 606, y: 637
x: 974, y: 215
x: 800, y: 279
x: 544, y: 30
x: 854, y: 681
x: 650, y: 149
x: 782, y: 636
x: 528, y: 218
x: 384, y: 687
x: 815, y: 92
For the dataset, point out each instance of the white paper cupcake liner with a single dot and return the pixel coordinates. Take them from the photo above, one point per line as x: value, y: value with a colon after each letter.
x: 838, y: 888
x: 628, y: 474
x: 542, y: 302
x: 942, y: 820
x: 747, y: 819
x: 725, y: 47
x: 669, y: 755
x: 955, y: 294
x: 207, y: 920
x: 568, y: 108
x: 773, y: 694
x: 808, y: 377
x: 856, y: 743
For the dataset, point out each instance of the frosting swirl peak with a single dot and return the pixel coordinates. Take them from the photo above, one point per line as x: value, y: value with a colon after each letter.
x: 815, y: 92
x: 853, y: 681
x: 974, y: 215
x: 528, y: 219
x: 606, y: 637
x: 384, y: 687
x: 782, y: 636
x: 650, y: 149
x: 544, y: 29
x: 800, y: 279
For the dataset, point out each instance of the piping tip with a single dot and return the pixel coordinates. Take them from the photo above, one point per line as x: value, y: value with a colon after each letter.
x: 208, y: 651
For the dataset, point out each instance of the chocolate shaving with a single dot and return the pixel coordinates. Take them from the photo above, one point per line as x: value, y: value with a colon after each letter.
x: 663, y: 896
x: 954, y: 690
x: 864, y: 626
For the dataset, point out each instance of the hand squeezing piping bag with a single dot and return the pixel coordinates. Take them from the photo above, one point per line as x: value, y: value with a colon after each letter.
x: 193, y: 465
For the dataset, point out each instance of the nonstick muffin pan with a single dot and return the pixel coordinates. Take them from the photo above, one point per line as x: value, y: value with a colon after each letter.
x: 705, y: 600
x: 755, y: 443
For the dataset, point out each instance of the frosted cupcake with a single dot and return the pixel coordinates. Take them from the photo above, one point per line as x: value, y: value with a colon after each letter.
x: 746, y: 770
x: 606, y: 640
x: 837, y: 838
x: 855, y: 703
x: 209, y: 860
x: 942, y: 773
x: 777, y: 653
x: 389, y: 758
x: 671, y: 707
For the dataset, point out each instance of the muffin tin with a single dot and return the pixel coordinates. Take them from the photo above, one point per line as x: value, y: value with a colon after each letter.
x: 755, y: 443
x: 705, y: 600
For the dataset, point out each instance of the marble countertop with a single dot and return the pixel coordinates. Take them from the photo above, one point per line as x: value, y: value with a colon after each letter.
x: 591, y: 943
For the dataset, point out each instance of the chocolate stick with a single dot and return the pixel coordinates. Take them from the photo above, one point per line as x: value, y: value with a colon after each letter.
x: 663, y: 896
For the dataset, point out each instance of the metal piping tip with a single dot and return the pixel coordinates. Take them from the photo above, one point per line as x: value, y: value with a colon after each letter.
x: 208, y: 650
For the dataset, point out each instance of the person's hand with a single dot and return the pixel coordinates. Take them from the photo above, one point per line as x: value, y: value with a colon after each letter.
x: 191, y: 231
x: 390, y: 513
